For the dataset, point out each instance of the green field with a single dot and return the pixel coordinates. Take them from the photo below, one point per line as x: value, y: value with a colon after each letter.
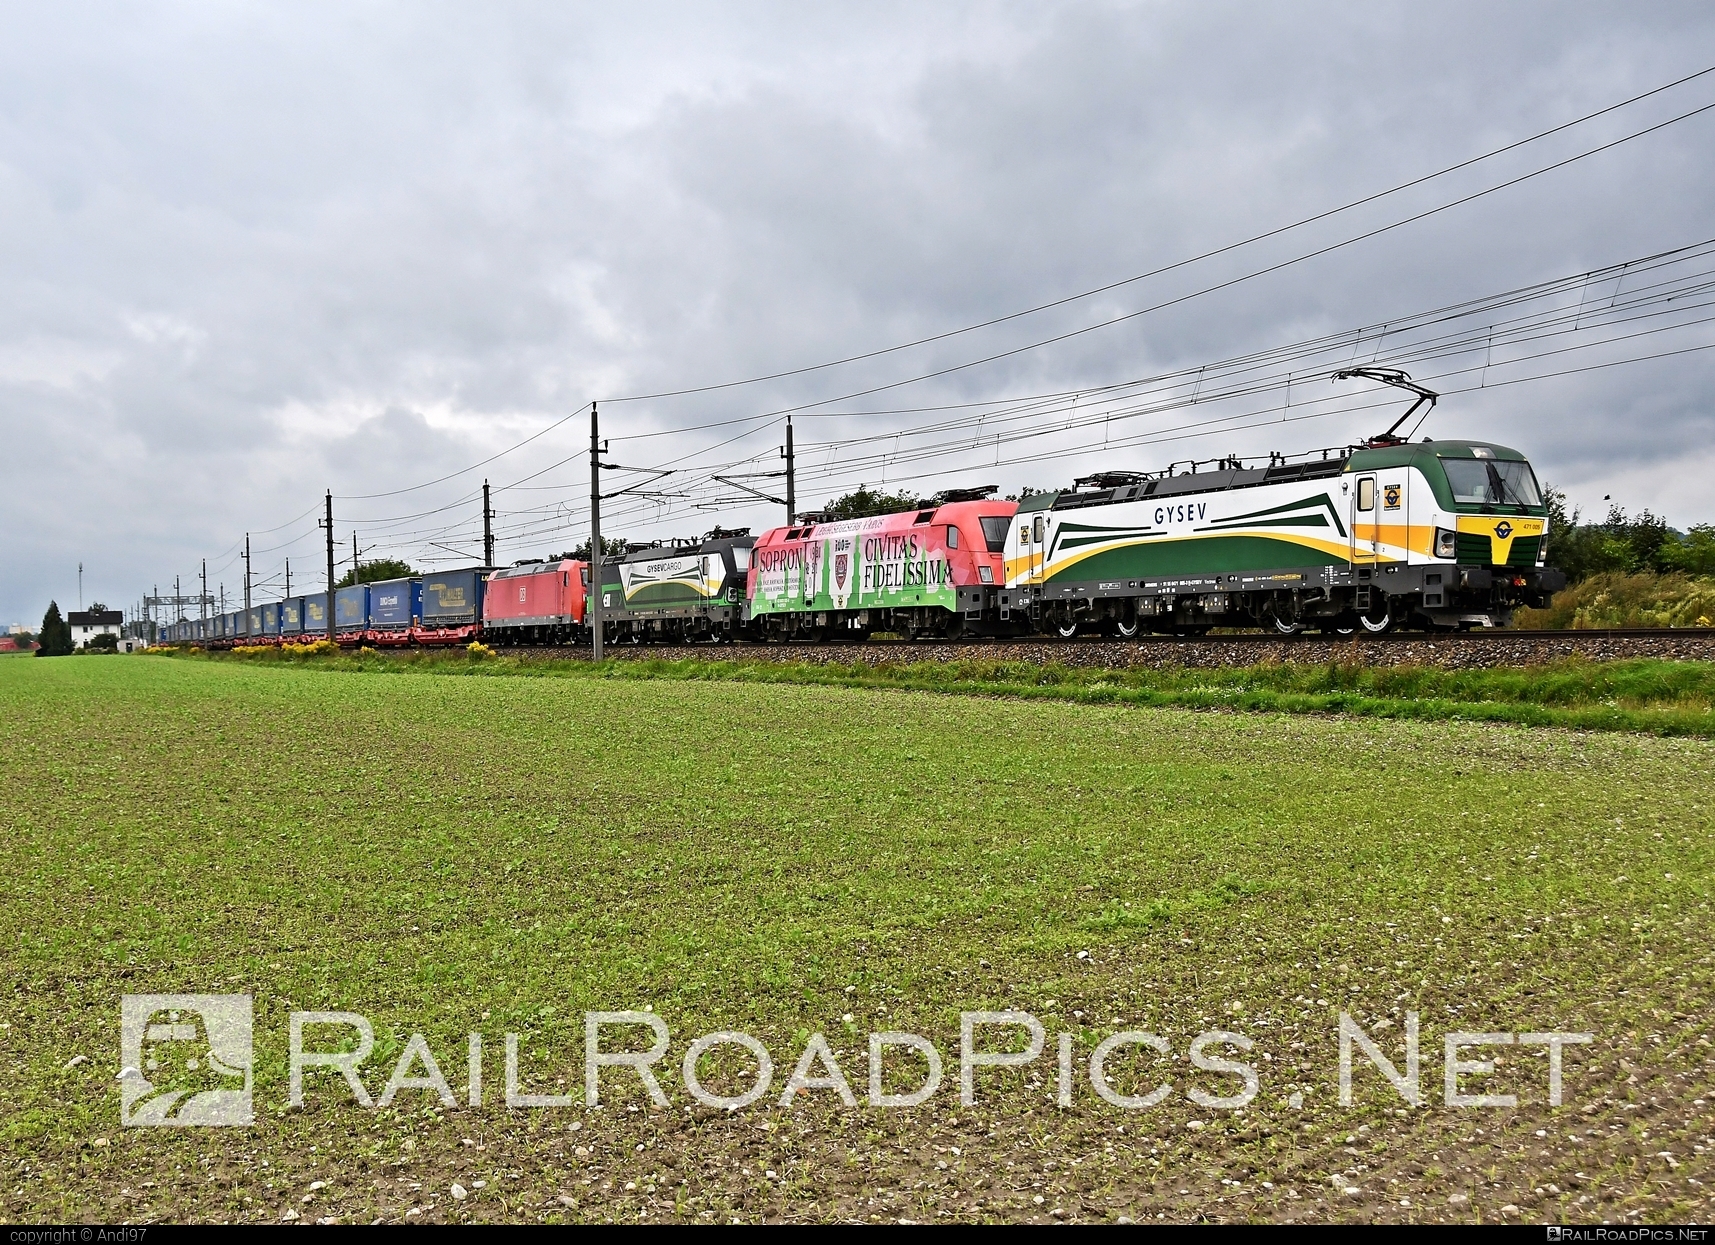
x: 500, y: 854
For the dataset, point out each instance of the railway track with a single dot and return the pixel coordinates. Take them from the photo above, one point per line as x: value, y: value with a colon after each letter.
x: 1451, y: 649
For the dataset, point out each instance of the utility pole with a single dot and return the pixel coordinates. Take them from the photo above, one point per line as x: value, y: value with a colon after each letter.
x: 791, y: 478
x: 202, y: 606
x: 246, y: 577
x: 354, y: 555
x: 80, y: 585
x: 178, y: 599
x: 487, y: 528
x: 592, y: 605
x: 288, y: 577
x: 223, y: 598
x: 329, y: 524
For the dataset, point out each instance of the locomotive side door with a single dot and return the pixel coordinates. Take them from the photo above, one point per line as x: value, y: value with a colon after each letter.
x: 1365, y: 526
x: 1394, y: 514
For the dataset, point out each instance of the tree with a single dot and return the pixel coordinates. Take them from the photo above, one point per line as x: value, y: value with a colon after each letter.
x: 612, y: 547
x: 105, y: 642
x: 374, y: 572
x: 55, y: 634
x: 1693, y: 553
x: 1620, y: 543
x: 866, y: 502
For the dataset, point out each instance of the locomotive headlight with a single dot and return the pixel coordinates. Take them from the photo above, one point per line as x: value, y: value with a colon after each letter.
x: 986, y: 574
x: 1446, y: 543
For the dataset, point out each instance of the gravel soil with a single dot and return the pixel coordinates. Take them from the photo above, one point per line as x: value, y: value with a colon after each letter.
x: 1456, y: 652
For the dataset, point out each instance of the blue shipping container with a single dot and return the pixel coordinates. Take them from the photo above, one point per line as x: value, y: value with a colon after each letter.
x: 351, y: 608
x: 394, y: 604
x: 452, y: 598
x: 316, y: 613
x: 292, y: 616
x: 253, y: 621
x: 271, y: 619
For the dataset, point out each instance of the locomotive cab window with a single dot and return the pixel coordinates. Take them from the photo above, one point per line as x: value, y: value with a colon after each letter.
x: 1036, y: 530
x: 1367, y: 493
x: 994, y: 531
x: 741, y: 558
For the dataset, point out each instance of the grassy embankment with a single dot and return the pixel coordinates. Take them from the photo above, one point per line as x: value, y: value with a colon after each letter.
x: 1616, y: 599
x: 449, y: 855
x: 1659, y: 697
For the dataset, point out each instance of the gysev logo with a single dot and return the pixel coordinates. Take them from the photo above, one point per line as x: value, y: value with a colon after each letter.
x: 185, y: 1060
x: 1503, y: 529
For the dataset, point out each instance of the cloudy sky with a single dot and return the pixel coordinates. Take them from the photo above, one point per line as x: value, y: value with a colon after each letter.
x: 251, y: 253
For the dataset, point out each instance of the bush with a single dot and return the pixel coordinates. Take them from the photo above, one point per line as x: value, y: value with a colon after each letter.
x: 1615, y: 599
x: 478, y: 650
x: 106, y: 642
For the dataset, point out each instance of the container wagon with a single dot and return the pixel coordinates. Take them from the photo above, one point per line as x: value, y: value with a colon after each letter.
x: 451, y: 607
x: 351, y: 615
x: 395, y: 606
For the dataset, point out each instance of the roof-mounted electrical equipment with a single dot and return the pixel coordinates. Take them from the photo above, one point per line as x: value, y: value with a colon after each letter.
x: 1399, y: 380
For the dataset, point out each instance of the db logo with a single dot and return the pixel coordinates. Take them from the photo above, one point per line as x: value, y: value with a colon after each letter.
x: 185, y: 1059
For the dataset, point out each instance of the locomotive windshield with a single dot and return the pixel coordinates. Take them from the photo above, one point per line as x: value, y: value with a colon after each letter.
x: 1491, y: 483
x: 994, y: 530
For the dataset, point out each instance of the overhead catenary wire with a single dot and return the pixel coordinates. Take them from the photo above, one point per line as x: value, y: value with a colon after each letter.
x: 1113, y: 285
x: 1166, y: 268
x: 764, y: 419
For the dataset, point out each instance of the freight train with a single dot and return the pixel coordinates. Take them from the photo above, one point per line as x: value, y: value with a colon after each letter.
x: 1436, y: 535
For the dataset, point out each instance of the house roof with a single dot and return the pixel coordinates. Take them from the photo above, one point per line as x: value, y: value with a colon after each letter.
x: 92, y: 618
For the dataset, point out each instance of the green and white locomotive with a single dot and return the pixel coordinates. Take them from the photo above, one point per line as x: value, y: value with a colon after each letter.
x: 1440, y: 534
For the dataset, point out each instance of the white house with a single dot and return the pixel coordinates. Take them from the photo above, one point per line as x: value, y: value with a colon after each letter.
x: 87, y: 624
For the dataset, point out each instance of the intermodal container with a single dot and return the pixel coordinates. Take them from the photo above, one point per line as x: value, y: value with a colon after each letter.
x: 452, y: 598
x: 394, y: 604
x: 351, y: 608
x: 271, y: 618
x: 292, y: 616
x: 316, y: 613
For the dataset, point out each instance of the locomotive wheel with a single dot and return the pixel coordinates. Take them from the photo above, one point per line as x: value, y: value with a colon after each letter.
x: 1375, y: 626
x: 1066, y: 629
x: 1284, y: 627
x: 1127, y: 628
